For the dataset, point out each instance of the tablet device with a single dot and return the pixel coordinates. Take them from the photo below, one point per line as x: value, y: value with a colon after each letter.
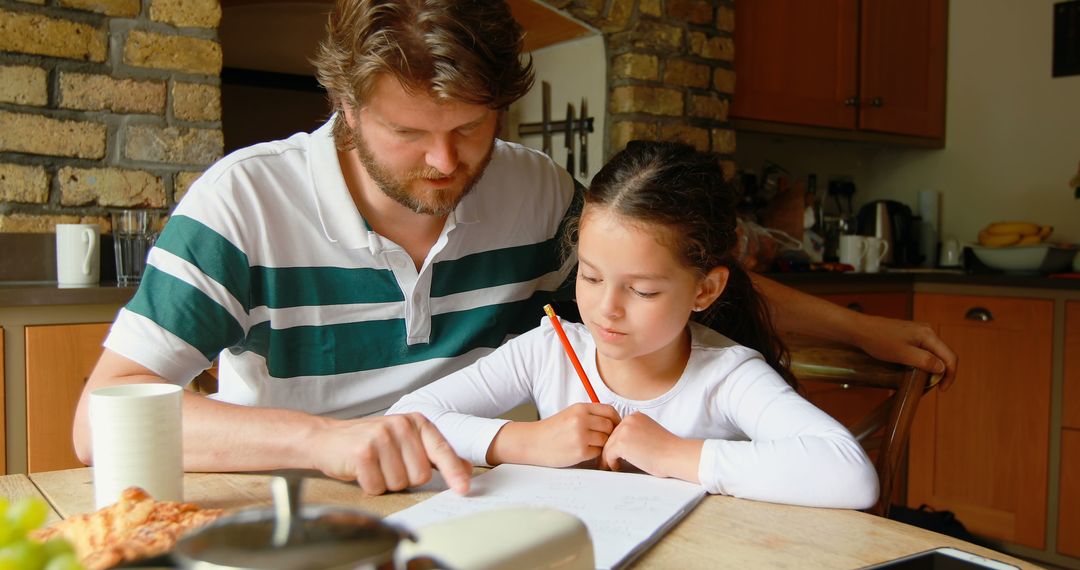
x: 942, y: 559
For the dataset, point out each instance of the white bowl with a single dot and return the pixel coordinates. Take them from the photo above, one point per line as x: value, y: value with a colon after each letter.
x: 1039, y: 258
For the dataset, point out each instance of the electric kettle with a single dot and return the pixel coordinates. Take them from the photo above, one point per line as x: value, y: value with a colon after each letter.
x: 894, y: 223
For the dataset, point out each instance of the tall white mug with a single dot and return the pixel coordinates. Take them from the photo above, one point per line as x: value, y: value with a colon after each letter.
x: 135, y: 431
x: 876, y: 248
x: 78, y: 255
x: 852, y: 251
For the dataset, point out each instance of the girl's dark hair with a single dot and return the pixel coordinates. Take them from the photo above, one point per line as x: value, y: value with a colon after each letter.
x: 458, y: 50
x: 675, y: 186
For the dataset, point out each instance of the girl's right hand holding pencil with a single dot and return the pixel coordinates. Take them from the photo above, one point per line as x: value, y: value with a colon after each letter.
x: 576, y: 434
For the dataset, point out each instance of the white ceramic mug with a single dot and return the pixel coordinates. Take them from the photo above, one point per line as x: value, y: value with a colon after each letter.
x: 875, y: 251
x: 950, y: 253
x: 852, y: 251
x: 135, y: 432
x: 78, y: 255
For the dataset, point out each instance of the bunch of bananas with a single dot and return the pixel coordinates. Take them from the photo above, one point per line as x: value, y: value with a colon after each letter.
x: 1000, y: 234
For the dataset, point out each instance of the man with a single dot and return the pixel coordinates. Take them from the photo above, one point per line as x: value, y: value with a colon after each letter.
x: 337, y: 270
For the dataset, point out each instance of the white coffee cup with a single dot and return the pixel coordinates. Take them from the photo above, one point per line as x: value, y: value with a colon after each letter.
x: 135, y: 431
x: 852, y: 251
x: 875, y: 251
x: 78, y: 254
x: 950, y: 253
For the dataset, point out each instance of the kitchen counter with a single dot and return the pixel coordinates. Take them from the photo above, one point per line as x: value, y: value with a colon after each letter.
x: 45, y: 293
x: 814, y: 282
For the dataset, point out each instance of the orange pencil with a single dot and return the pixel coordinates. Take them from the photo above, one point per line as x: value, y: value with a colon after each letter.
x: 570, y: 352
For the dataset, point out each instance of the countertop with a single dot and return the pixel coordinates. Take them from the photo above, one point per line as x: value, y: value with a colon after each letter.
x: 45, y: 293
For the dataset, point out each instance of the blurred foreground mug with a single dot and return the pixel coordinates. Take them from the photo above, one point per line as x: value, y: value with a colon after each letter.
x: 134, y: 233
x: 78, y: 255
x: 876, y: 249
x: 852, y: 251
x: 135, y: 431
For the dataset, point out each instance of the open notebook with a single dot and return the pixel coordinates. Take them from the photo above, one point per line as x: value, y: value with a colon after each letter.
x: 624, y: 512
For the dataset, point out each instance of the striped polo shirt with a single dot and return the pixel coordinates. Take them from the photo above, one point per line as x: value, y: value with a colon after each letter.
x: 268, y: 262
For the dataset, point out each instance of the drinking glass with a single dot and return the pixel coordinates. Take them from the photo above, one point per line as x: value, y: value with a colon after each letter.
x: 134, y: 233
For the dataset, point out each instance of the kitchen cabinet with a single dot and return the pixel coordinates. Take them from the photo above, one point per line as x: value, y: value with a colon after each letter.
x: 1068, y: 513
x: 1070, y: 409
x: 981, y: 449
x: 59, y: 359
x: 862, y: 66
x: 848, y: 404
x: 1069, y: 494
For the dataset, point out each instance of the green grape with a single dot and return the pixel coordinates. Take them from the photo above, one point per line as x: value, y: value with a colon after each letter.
x: 64, y: 562
x: 56, y: 547
x: 27, y: 514
x: 25, y: 554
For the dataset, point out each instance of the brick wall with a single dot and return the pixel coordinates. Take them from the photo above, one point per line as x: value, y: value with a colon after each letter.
x: 104, y: 105
x: 670, y: 71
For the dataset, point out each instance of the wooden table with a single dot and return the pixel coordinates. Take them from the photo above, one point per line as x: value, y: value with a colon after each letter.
x: 720, y: 532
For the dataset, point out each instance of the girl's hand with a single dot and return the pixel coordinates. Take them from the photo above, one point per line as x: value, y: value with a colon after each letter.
x: 645, y: 444
x: 571, y: 436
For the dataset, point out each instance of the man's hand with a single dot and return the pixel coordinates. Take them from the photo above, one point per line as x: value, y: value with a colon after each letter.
x: 645, y: 444
x: 388, y: 453
x: 907, y: 342
x: 576, y: 434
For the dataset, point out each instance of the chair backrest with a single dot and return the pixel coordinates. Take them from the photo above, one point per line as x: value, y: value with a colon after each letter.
x: 886, y: 428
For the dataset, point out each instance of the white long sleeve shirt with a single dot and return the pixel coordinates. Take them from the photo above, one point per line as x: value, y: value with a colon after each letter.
x: 762, y: 440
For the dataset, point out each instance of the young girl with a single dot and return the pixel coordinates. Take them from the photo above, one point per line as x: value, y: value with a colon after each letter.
x: 678, y: 399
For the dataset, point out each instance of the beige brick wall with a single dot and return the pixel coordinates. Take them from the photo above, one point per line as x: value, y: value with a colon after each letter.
x: 110, y: 187
x: 20, y: 183
x: 178, y: 53
x: 23, y: 85
x: 104, y: 104
x: 122, y: 8
x: 101, y: 92
x: 42, y: 35
x: 186, y: 13
x: 650, y: 100
x: 38, y: 134
x: 196, y: 102
x: 183, y: 183
x: 671, y: 74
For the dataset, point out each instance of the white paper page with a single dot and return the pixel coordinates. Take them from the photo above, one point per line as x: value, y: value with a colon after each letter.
x: 624, y: 512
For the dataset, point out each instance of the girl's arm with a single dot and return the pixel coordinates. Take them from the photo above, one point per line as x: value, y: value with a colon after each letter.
x: 797, y: 454
x: 464, y: 405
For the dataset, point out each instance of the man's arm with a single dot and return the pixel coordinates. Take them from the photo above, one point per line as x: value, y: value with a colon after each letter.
x: 380, y: 453
x: 893, y: 340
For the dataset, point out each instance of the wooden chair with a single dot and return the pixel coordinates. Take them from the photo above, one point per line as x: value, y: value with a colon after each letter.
x: 885, y: 429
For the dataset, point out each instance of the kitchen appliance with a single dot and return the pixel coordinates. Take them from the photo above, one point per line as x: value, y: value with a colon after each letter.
x: 894, y: 223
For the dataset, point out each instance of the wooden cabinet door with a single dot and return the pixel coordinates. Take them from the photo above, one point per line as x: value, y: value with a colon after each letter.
x: 848, y: 404
x: 902, y: 66
x: 1070, y: 413
x: 795, y: 61
x: 59, y: 359
x: 981, y: 448
x: 1069, y: 500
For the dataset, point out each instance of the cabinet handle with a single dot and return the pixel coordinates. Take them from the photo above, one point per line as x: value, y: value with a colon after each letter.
x: 979, y: 314
x: 856, y: 307
x: 876, y: 102
x: 851, y: 102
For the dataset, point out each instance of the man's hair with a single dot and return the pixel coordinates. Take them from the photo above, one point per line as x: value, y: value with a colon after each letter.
x: 467, y: 51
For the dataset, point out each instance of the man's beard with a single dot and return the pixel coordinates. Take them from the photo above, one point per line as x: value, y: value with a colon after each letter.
x: 434, y: 202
